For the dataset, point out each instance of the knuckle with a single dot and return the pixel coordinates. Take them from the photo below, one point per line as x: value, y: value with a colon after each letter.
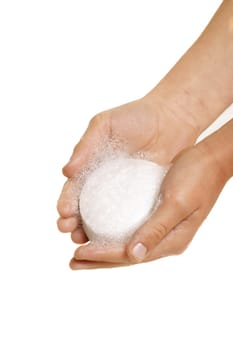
x: 158, y: 232
x: 60, y: 225
x: 179, y: 248
x: 98, y: 118
x: 178, y: 201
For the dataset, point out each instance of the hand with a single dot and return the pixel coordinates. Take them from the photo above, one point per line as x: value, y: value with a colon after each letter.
x: 189, y: 191
x: 164, y: 122
x: 145, y: 125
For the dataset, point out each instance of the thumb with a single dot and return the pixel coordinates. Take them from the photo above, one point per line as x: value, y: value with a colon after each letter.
x: 169, y: 214
x: 97, y: 132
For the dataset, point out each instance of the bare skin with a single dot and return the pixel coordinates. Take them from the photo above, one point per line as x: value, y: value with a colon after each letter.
x: 183, y: 209
x: 179, y: 108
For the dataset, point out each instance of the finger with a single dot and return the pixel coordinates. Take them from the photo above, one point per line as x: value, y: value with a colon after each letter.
x: 163, y: 220
x: 98, y: 130
x: 68, y: 224
x: 67, y: 204
x: 90, y: 265
x: 94, y: 252
x: 178, y: 239
x: 78, y: 236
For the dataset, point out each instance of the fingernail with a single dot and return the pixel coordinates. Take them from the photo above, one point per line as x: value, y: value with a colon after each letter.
x: 139, y: 252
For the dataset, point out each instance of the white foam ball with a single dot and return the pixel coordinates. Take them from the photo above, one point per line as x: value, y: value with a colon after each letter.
x: 118, y: 197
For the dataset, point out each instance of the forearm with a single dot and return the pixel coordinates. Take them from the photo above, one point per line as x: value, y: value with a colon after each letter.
x: 200, y: 86
x: 219, y: 147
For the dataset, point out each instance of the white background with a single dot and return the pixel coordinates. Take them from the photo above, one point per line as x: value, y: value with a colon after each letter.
x: 61, y: 62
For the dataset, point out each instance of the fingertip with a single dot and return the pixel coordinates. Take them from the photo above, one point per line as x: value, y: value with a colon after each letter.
x: 79, y: 255
x: 83, y: 265
x: 73, y: 264
x: 79, y: 264
x: 59, y: 225
x: 68, y: 224
x: 78, y: 236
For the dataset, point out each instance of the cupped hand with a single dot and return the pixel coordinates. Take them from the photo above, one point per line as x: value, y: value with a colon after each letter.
x: 145, y: 125
x: 189, y: 191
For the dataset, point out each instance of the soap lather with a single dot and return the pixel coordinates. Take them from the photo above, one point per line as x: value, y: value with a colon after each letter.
x: 118, y: 197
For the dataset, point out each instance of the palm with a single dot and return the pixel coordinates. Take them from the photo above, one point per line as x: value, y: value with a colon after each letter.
x: 143, y: 127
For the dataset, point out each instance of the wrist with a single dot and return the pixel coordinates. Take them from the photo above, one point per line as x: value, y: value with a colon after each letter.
x: 194, y: 94
x: 219, y: 147
x: 181, y: 103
